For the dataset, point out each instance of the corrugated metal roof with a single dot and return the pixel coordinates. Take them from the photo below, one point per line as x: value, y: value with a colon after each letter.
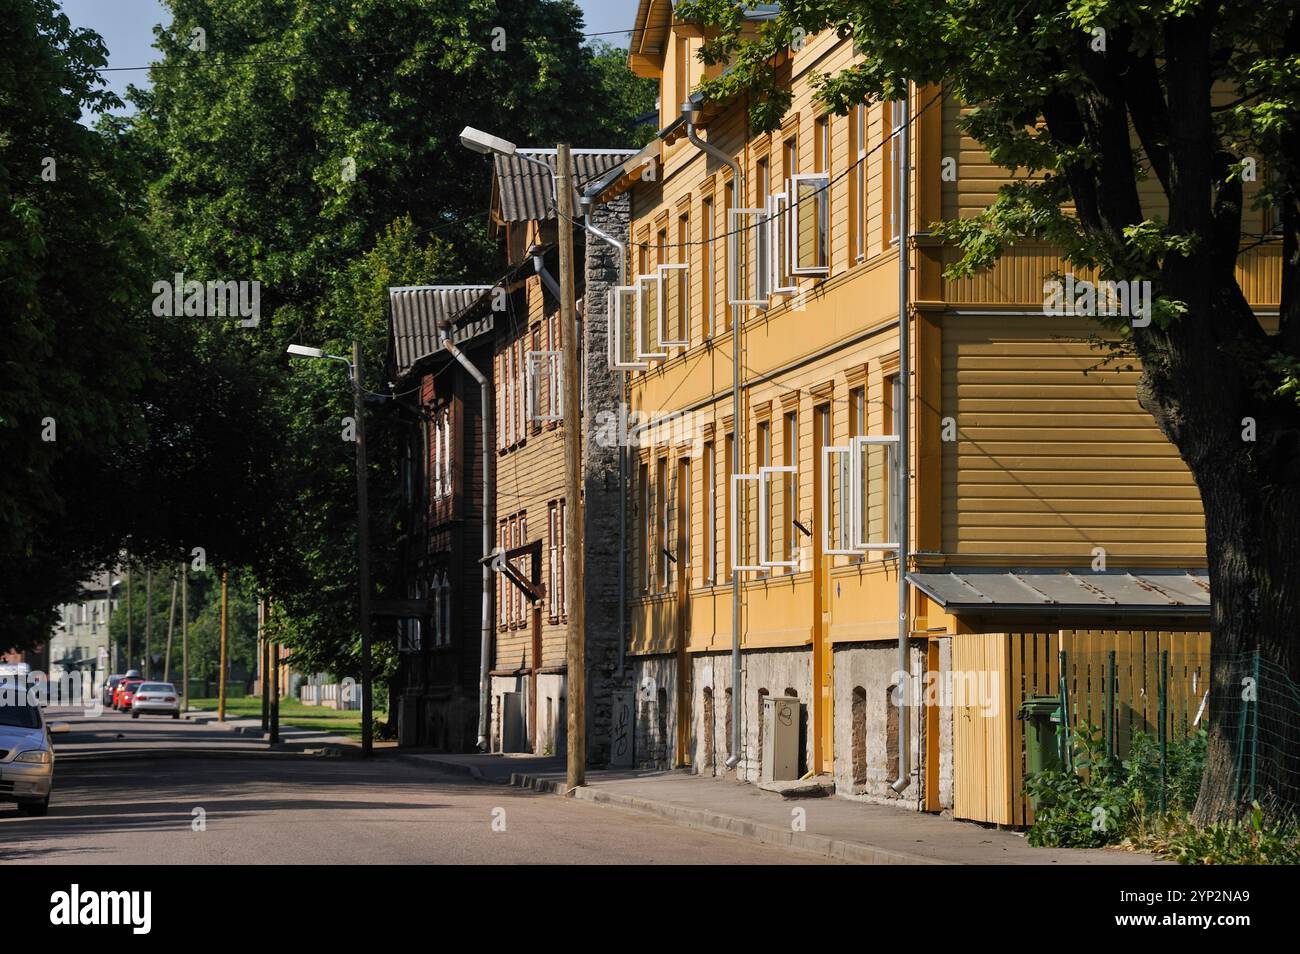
x: 523, y: 190
x: 1177, y: 592
x: 416, y: 312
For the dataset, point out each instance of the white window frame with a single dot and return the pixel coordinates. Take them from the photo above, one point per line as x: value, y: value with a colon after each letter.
x: 642, y: 318
x: 856, y: 529
x: 685, y: 325
x: 739, y: 512
x: 764, y: 501
x: 738, y: 228
x: 797, y: 209
x: 534, y: 361
x: 619, y: 316
x: 778, y: 224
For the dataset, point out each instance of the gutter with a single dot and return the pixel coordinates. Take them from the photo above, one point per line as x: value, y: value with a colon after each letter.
x: 485, y: 648
x: 690, y: 112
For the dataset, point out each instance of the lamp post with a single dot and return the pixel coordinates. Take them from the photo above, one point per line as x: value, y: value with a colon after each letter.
x: 363, y: 528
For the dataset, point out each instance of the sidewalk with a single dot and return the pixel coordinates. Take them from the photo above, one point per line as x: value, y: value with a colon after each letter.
x: 834, y: 827
x: 252, y: 726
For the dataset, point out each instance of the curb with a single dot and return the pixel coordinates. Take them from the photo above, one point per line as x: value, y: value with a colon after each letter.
x: 455, y: 768
x: 142, y: 755
x: 731, y: 825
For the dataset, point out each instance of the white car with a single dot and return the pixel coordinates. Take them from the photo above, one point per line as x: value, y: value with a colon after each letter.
x: 26, y: 755
x: 156, y: 698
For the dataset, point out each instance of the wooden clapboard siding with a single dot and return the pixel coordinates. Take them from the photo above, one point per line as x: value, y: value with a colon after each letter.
x: 989, y: 752
x: 1051, y: 460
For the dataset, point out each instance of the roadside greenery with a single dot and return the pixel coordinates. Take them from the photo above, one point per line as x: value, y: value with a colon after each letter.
x: 1108, y: 801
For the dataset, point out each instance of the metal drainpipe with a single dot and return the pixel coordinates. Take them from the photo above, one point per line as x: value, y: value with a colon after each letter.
x: 485, y: 648
x: 690, y: 111
x: 904, y: 463
x: 586, y: 202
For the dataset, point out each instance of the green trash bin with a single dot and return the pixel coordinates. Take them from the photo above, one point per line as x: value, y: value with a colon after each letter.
x: 1042, y: 718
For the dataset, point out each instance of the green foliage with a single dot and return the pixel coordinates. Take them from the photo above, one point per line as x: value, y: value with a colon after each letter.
x: 1102, y: 799
x: 1250, y: 841
x: 75, y: 335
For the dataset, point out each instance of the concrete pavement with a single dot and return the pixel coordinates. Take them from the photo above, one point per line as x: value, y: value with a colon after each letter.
x: 834, y: 827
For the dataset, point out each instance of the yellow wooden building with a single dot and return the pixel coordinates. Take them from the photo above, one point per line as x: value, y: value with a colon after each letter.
x: 1046, y: 510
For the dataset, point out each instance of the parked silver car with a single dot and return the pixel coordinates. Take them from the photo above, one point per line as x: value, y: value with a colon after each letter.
x: 156, y: 698
x: 26, y: 755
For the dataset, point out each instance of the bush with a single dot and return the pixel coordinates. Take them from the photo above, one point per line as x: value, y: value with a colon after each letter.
x: 1252, y: 841
x: 1104, y: 800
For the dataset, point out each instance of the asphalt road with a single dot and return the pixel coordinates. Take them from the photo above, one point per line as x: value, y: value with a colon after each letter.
x: 155, y: 791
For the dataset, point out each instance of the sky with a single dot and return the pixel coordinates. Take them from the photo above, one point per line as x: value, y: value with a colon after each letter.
x: 127, y: 29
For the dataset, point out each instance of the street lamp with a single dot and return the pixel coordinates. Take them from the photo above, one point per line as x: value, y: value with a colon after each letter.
x: 476, y: 140
x: 363, y: 527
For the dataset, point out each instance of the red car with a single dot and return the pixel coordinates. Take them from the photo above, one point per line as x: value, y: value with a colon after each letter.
x: 124, y: 694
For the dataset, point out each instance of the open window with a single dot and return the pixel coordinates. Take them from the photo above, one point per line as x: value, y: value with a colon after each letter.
x: 622, y: 330
x: 743, y: 263
x: 778, y: 227
x: 545, y: 394
x: 674, y: 305
x: 647, y: 318
x: 860, y: 496
x: 765, y: 558
x: 808, y: 232
x: 743, y: 547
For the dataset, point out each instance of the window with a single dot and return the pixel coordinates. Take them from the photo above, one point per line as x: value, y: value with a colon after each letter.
x: 822, y: 145
x: 647, y: 317
x: 621, y: 303
x: 790, y: 154
x: 521, y: 390
x: 859, y: 182
x: 745, y: 228
x: 808, y: 223
x: 729, y: 469
x: 894, y: 174
x: 762, y: 251
x: 647, y: 528
x: 503, y: 585
x: 763, y: 452
x: 683, y: 290
x: 441, y: 463
x: 859, y: 487
x: 521, y: 566
x: 728, y: 203
x: 710, y: 513
x: 661, y: 493
x: 545, y: 396
x: 556, y: 588
x: 790, y: 485
x: 706, y: 263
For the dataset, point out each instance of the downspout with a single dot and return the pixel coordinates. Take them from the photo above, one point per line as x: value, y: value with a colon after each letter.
x: 690, y: 111
x: 586, y: 202
x: 485, y: 647
x: 904, y: 451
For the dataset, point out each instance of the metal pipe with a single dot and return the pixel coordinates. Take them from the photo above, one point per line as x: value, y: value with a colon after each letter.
x: 587, y: 202
x: 690, y: 111
x: 485, y: 648
x: 904, y: 445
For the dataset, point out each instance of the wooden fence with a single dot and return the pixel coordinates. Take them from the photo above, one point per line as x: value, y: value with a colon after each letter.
x: 989, y: 741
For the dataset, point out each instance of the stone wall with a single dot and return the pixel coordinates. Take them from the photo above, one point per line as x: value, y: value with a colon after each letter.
x: 602, y: 486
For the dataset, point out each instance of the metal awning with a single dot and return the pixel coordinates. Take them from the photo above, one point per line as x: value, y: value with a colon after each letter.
x: 1181, y: 592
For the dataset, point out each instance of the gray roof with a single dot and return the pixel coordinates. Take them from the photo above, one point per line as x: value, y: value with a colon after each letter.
x: 417, y: 311
x: 524, y: 190
x: 1174, y: 592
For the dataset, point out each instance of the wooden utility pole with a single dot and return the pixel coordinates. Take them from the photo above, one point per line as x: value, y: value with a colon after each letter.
x: 148, y: 622
x: 130, y: 645
x: 221, y: 674
x: 363, y: 547
x: 171, y: 626
x: 273, y: 657
x: 263, y: 663
x: 185, y: 639
x: 576, y: 653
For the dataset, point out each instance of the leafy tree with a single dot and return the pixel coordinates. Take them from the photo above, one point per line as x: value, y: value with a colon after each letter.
x: 1096, y: 95
x: 75, y: 341
x: 315, y: 149
x: 629, y: 101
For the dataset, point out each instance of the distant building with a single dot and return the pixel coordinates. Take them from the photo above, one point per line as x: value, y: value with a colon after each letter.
x: 80, y: 641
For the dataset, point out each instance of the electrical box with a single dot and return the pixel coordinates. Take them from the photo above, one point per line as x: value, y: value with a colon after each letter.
x: 782, y: 718
x: 514, y: 731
